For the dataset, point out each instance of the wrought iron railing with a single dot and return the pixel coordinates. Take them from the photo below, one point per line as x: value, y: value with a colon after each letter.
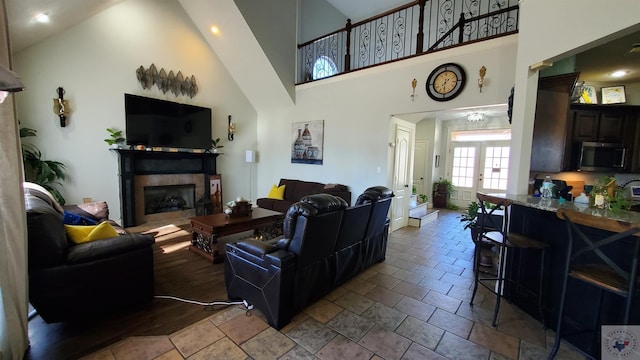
x: 417, y: 28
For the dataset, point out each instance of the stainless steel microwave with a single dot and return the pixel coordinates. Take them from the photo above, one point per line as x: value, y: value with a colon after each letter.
x: 598, y: 156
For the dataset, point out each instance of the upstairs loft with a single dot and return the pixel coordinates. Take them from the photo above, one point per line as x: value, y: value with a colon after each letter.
x: 417, y: 28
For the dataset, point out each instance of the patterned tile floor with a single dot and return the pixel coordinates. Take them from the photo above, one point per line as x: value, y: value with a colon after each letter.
x: 414, y: 305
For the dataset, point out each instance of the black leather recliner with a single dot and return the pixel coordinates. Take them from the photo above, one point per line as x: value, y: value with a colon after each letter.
x: 374, y: 245
x: 284, y: 277
x: 76, y: 282
x: 324, y: 245
x: 349, y: 247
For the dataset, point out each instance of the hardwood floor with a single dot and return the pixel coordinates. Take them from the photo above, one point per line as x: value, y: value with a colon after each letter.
x: 178, y: 272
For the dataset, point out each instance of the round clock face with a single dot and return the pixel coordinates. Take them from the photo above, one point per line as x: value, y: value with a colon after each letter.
x: 445, y: 82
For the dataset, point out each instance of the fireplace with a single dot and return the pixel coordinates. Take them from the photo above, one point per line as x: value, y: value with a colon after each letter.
x: 172, y: 178
x: 166, y: 198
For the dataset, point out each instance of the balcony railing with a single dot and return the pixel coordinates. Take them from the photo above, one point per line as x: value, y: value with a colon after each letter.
x: 417, y: 28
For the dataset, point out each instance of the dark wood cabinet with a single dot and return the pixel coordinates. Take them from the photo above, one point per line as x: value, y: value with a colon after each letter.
x: 551, y: 144
x: 608, y: 124
x: 560, y: 127
x: 596, y: 125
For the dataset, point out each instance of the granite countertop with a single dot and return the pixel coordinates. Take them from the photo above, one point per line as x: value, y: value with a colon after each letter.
x: 553, y: 205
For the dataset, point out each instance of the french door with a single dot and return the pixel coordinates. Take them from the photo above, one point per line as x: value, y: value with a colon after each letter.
x: 478, y: 166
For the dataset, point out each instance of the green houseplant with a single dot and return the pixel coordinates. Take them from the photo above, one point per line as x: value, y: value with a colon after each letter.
x: 215, y: 145
x: 470, y: 217
x: 115, y: 138
x: 46, y: 173
x: 442, y: 190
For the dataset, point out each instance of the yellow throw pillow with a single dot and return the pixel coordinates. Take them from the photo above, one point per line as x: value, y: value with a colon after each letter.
x: 276, y: 192
x: 81, y: 234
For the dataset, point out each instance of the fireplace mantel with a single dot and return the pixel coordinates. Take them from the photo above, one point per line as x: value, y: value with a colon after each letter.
x: 142, y: 162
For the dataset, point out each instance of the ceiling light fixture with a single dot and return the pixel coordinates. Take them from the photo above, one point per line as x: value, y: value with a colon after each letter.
x: 475, y: 117
x: 215, y: 30
x: 41, y: 18
x: 619, y: 73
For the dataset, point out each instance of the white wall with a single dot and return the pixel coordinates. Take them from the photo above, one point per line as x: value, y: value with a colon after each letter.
x: 278, y: 42
x: 357, y: 109
x: 95, y: 62
x: 317, y: 18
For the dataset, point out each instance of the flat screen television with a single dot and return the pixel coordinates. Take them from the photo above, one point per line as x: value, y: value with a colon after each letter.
x: 160, y: 123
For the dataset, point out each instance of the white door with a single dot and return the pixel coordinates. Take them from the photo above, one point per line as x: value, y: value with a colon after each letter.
x: 478, y: 166
x: 420, y: 166
x: 401, y: 177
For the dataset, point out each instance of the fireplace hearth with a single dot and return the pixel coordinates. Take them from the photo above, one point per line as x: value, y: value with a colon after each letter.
x: 167, y: 198
x: 140, y: 170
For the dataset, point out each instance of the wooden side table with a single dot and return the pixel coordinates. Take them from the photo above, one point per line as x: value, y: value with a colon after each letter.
x: 207, y: 229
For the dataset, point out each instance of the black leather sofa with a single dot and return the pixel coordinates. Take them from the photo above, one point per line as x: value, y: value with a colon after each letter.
x: 295, y: 190
x: 325, y: 244
x: 73, y: 282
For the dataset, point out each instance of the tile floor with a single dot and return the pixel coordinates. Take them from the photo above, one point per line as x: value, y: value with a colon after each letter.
x: 414, y: 305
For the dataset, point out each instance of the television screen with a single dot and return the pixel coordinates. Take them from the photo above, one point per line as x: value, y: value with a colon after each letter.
x: 160, y: 123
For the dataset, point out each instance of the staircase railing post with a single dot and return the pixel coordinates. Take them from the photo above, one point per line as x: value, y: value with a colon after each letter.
x: 347, y: 53
x: 420, y: 36
x: 461, y: 29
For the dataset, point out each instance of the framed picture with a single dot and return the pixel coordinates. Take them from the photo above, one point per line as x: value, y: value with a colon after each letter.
x: 307, y: 140
x: 588, y: 95
x: 215, y: 191
x: 613, y: 95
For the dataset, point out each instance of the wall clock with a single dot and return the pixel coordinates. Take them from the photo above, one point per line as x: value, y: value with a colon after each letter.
x: 446, y: 82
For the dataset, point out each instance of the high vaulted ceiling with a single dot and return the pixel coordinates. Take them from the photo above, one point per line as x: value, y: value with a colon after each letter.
x: 594, y: 64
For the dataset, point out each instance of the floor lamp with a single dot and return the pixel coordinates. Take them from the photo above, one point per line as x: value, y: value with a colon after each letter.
x: 250, y: 158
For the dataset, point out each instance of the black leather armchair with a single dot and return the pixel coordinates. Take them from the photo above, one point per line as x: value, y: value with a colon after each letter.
x: 374, y: 244
x: 70, y: 282
x: 349, y: 247
x: 282, y: 278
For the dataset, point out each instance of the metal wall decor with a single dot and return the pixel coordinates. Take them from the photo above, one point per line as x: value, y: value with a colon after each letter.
x: 178, y: 84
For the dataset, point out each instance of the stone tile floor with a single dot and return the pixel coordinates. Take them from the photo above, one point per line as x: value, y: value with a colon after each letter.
x: 414, y: 305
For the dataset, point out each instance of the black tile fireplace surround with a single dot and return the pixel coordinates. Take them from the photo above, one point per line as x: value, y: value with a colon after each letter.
x: 141, y: 162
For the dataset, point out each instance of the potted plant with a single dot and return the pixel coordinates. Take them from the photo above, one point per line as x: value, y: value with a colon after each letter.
x: 215, y: 145
x: 442, y: 190
x: 470, y: 218
x: 115, y: 138
x: 423, y: 198
x: 45, y: 173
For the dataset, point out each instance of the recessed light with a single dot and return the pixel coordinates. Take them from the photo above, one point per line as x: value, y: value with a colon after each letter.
x: 619, y: 73
x: 41, y: 18
x: 215, y: 30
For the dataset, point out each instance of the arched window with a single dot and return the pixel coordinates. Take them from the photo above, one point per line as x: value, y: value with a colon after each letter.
x: 324, y: 67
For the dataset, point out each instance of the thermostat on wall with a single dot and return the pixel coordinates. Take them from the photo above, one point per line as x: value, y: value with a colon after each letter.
x: 635, y: 192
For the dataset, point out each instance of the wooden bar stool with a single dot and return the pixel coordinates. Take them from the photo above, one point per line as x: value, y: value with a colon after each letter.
x: 494, y: 231
x: 587, y: 261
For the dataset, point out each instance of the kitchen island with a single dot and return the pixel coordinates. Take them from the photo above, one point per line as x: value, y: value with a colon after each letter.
x: 536, y: 217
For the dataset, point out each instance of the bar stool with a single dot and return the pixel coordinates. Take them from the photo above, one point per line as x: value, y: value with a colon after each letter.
x: 494, y: 231
x: 587, y: 261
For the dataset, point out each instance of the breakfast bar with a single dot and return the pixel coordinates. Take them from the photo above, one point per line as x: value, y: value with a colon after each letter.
x: 586, y: 307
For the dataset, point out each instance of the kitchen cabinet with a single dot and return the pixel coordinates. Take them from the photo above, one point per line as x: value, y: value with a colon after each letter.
x: 552, y: 144
x: 599, y: 125
x: 605, y: 123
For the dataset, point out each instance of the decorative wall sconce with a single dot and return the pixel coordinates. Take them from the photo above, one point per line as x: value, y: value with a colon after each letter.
x: 482, y: 72
x: 414, y: 82
x: 231, y: 130
x: 61, y: 107
x: 176, y: 83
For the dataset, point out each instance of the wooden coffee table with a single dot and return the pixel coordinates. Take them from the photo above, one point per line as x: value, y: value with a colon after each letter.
x: 208, y: 228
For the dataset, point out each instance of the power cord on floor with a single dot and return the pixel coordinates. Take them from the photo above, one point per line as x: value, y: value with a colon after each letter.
x: 247, y: 306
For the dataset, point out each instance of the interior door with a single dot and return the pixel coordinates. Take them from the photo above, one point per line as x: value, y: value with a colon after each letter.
x: 478, y: 166
x: 420, y: 166
x: 401, y: 177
